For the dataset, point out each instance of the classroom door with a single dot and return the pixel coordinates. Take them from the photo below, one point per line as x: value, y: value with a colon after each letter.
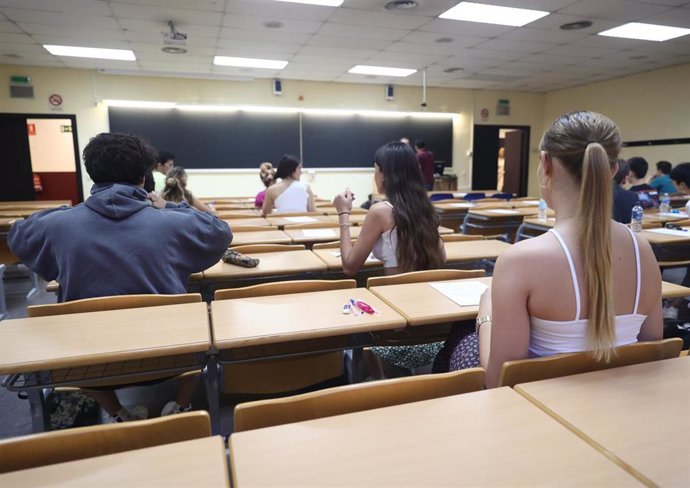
x: 513, y: 161
x: 15, y: 163
x: 487, y: 141
x: 485, y: 144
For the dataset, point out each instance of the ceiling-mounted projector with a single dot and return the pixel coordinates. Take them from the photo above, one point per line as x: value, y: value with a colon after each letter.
x: 174, y: 42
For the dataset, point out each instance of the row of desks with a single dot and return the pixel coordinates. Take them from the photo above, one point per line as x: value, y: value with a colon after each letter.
x: 618, y: 427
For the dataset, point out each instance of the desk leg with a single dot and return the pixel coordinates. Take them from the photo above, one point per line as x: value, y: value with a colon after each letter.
x: 39, y: 410
x: 3, y: 303
x: 212, y: 381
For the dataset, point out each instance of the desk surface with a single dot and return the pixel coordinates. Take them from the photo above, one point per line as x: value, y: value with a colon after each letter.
x: 638, y: 414
x: 326, y: 220
x: 671, y: 290
x: 463, y: 251
x: 331, y: 257
x: 486, y: 438
x: 38, y: 204
x: 199, y: 462
x: 421, y: 304
x: 506, y: 213
x: 271, y: 264
x: 655, y: 216
x: 270, y: 236
x: 298, y: 316
x: 247, y: 221
x: 42, y: 343
x: 544, y: 224
x: 659, y: 238
x: 325, y: 234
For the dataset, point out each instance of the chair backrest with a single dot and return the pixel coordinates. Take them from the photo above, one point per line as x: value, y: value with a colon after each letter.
x: 259, y: 248
x: 441, y: 196
x: 502, y: 196
x: 98, y: 440
x: 284, y: 288
x: 422, y: 276
x: 526, y: 370
x: 239, y: 215
x: 330, y: 245
x: 355, y: 398
x: 474, y: 196
x: 100, y: 304
x: 460, y: 237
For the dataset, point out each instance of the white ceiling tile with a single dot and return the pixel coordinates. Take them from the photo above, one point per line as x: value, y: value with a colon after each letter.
x: 257, y: 23
x: 545, y: 5
x: 550, y: 59
x: 205, y: 5
x: 402, y: 59
x: 336, y: 52
x: 353, y: 43
x: 554, y: 36
x: 157, y: 28
x: 67, y: 19
x: 183, y: 66
x: 463, y: 60
x: 445, y: 26
x: 279, y: 10
x: 577, y: 51
x: 85, y: 63
x: 87, y: 34
x: 24, y: 49
x: 555, y: 21
x: 377, y: 19
x: 421, y: 48
x: 249, y: 49
x: 89, y: 7
x: 6, y: 26
x: 614, y: 9
x: 247, y: 72
x: 362, y: 32
x: 677, y: 17
x: 308, y: 76
x: 82, y: 41
x: 671, y: 3
x: 427, y: 8
x: 174, y: 59
x: 430, y: 38
x: 164, y: 14
x: 510, y: 45
x: 16, y: 38
x: 156, y: 39
x: 265, y: 35
x: 611, y: 43
x: 49, y: 62
x: 325, y: 59
x: 493, y: 54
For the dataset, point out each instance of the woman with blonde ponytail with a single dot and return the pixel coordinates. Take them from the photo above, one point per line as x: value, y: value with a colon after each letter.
x: 175, y: 189
x: 589, y: 284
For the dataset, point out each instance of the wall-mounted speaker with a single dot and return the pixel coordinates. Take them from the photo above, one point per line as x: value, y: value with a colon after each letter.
x: 277, y: 87
x: 390, y: 92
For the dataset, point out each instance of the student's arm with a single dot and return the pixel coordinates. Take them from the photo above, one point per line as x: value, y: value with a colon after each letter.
x: 269, y: 201
x: 444, y: 256
x: 509, y: 327
x: 311, y: 206
x: 198, y: 204
x: 354, y: 256
x: 28, y: 240
x: 650, y: 294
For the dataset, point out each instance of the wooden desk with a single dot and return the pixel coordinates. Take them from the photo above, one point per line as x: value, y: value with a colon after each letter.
x: 332, y: 260
x: 332, y: 211
x: 469, y: 251
x: 260, y: 237
x: 45, y: 343
x: 34, y: 204
x: 271, y: 264
x: 486, y: 438
x: 532, y: 227
x: 655, y: 216
x: 421, y: 304
x: 660, y: 238
x: 295, y: 317
x: 671, y: 290
x: 326, y: 220
x: 247, y: 221
x: 326, y: 234
x: 199, y: 462
x: 6, y: 223
x: 669, y: 249
x: 636, y: 414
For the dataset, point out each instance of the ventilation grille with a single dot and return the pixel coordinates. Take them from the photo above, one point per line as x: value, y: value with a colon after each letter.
x: 17, y: 91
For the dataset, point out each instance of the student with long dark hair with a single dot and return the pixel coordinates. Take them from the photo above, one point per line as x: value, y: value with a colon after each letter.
x: 401, y: 231
x: 587, y: 285
x: 289, y: 194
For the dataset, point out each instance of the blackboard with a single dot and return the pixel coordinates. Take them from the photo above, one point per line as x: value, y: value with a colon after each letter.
x: 212, y: 139
x: 209, y: 140
x: 351, y: 141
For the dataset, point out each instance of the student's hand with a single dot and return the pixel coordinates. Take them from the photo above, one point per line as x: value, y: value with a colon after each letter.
x: 156, y: 200
x: 343, y: 201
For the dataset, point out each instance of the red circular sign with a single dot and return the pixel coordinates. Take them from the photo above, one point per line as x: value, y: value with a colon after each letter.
x: 485, y: 113
x: 55, y: 100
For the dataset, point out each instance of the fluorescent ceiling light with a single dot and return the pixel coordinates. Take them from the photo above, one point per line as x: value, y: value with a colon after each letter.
x: 645, y: 32
x: 327, y: 3
x: 249, y: 62
x: 361, y: 69
x: 492, y: 14
x: 91, y: 52
x: 138, y: 104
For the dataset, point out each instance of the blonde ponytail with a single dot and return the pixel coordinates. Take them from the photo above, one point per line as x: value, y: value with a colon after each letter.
x: 594, y: 222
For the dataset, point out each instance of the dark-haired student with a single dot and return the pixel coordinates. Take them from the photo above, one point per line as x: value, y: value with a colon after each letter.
x: 662, y: 181
x: 589, y: 284
x: 623, y: 200
x: 401, y: 231
x: 637, y: 174
x: 121, y: 241
x: 289, y: 194
x: 164, y: 163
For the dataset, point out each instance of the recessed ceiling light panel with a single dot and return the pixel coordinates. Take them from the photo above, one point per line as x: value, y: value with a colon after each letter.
x: 325, y: 3
x: 645, y: 32
x: 249, y: 62
x: 361, y: 69
x: 492, y: 14
x: 91, y: 52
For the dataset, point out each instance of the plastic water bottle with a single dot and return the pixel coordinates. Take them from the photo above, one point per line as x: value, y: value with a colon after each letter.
x: 542, y: 210
x: 665, y: 206
x: 636, y: 218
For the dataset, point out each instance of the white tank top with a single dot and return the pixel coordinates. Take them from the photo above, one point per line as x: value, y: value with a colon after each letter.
x: 548, y: 337
x: 293, y: 199
x: 386, y: 246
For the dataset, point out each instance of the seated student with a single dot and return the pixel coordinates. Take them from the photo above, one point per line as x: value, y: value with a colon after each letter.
x: 662, y: 181
x: 638, y: 171
x: 607, y: 280
x: 623, y: 200
x: 120, y: 241
x: 164, y: 163
x: 289, y: 194
x: 401, y: 231
x: 175, y: 190
x: 268, y: 177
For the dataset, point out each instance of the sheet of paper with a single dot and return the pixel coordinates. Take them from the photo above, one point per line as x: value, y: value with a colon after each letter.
x: 502, y: 211
x: 461, y: 205
x: 680, y: 215
x: 300, y: 220
x: 464, y: 293
x: 530, y: 202
x: 319, y: 233
x: 671, y: 232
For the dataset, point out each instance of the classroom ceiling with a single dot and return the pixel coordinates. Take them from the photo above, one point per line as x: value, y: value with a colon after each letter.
x: 323, y: 43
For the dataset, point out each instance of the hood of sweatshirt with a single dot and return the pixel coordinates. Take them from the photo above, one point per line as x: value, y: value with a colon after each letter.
x: 117, y: 200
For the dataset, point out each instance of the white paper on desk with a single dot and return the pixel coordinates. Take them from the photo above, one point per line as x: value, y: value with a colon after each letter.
x: 319, y: 233
x: 670, y: 232
x: 300, y: 220
x: 465, y: 293
x: 461, y: 205
x: 530, y: 202
x: 502, y: 211
x: 672, y: 214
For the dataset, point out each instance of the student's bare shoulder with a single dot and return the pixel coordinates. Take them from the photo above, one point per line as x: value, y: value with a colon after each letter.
x: 381, y: 209
x: 530, y: 252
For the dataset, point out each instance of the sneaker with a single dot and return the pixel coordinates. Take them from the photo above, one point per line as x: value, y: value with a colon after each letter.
x: 137, y: 412
x: 671, y: 313
x: 173, y: 408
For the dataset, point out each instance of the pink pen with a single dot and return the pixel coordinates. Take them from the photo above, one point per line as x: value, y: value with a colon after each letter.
x: 364, y: 307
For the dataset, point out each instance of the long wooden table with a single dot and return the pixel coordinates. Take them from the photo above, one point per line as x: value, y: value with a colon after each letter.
x: 280, y: 263
x: 269, y: 236
x: 637, y: 415
x: 468, y: 251
x: 487, y: 438
x: 199, y: 462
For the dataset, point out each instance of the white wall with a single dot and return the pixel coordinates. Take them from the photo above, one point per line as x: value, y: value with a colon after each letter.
x: 51, y: 149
